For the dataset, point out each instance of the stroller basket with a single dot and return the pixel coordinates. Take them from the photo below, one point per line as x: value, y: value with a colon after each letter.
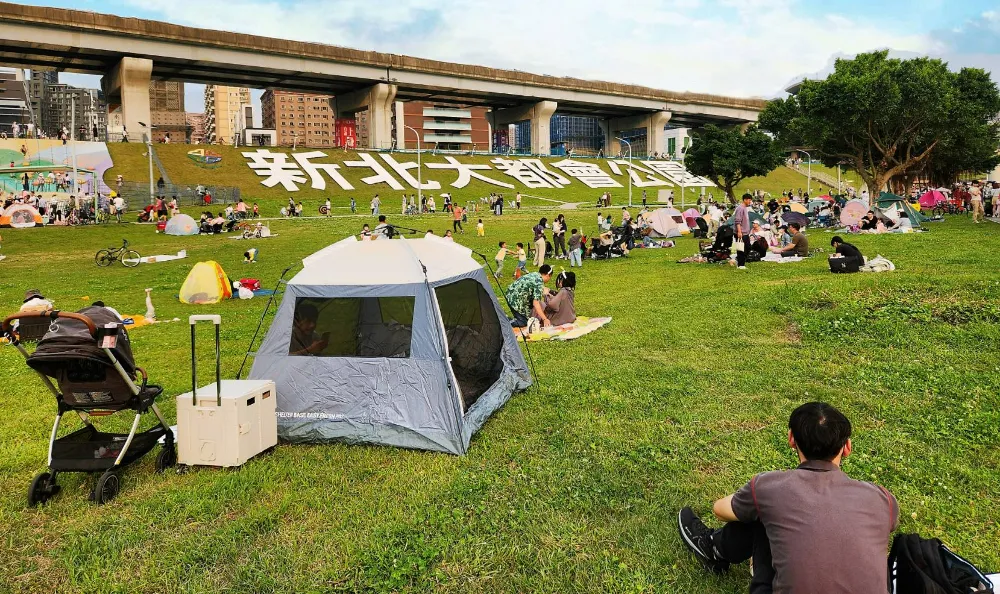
x: 90, y: 450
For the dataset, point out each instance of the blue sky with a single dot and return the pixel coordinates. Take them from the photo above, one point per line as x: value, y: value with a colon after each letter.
x: 733, y: 47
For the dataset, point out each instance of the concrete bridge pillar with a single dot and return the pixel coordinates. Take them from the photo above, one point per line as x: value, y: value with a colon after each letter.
x: 539, y: 114
x: 654, y: 123
x: 126, y: 87
x: 379, y: 101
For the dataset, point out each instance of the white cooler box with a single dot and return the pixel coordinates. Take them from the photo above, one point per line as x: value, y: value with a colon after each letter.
x: 225, y: 423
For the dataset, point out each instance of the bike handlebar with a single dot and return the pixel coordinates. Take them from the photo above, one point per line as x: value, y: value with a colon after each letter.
x: 51, y: 314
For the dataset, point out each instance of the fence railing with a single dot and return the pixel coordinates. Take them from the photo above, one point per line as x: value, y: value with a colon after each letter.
x: 137, y: 194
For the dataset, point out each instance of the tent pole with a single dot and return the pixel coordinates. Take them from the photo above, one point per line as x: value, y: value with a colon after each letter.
x: 261, y: 321
x: 486, y: 261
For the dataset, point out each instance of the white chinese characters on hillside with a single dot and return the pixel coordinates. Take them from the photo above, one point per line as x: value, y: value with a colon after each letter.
x: 532, y: 173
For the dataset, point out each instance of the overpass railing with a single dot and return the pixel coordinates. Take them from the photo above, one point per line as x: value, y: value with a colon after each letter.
x: 137, y: 194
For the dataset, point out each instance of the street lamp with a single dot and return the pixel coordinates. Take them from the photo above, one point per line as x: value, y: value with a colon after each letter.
x: 629, y: 144
x: 149, y: 153
x: 810, y: 170
x: 420, y: 176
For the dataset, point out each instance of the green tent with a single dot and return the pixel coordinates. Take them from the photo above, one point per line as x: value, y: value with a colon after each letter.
x: 888, y: 200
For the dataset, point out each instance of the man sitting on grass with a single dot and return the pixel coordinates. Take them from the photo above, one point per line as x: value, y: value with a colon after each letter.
x: 799, y: 245
x: 812, y: 529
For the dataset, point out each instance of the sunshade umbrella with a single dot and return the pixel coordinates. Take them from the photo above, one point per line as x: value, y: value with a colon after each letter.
x: 795, y: 217
x: 932, y: 198
x: 853, y: 212
x: 797, y: 207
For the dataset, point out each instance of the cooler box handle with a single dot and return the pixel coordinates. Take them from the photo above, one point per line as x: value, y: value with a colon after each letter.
x: 216, y: 321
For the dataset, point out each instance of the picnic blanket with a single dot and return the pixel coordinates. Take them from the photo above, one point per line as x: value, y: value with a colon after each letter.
x: 777, y: 259
x: 581, y: 326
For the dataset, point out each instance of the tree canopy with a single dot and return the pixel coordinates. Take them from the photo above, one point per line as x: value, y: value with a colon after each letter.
x: 891, y: 118
x: 727, y: 156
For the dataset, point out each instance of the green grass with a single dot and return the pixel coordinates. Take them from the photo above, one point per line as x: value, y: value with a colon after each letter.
x: 575, y: 484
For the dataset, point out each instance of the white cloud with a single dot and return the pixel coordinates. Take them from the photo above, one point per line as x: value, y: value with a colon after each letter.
x: 734, y: 47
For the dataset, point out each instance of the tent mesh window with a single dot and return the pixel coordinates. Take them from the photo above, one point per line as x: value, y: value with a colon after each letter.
x: 475, y: 337
x: 369, y: 327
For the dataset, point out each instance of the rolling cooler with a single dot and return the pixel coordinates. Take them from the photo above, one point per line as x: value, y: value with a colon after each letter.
x: 225, y: 423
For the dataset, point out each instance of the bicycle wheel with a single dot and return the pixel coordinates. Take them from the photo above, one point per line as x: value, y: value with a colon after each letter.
x: 104, y: 258
x: 130, y: 258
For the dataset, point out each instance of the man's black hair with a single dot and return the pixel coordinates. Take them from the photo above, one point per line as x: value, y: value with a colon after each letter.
x: 381, y: 218
x: 836, y: 239
x: 820, y: 430
x: 747, y: 195
x: 544, y: 269
x: 797, y: 226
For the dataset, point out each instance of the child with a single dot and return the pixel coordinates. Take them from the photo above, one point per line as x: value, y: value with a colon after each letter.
x: 354, y: 206
x: 575, y: 249
x: 501, y: 256
x: 305, y: 341
x: 256, y: 210
x: 522, y: 260
x: 366, y: 233
x: 480, y: 230
x: 327, y: 207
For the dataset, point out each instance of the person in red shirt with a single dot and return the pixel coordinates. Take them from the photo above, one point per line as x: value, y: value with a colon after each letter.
x: 457, y: 222
x: 808, y: 530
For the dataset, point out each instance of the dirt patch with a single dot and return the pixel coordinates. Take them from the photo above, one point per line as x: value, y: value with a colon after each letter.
x: 792, y: 334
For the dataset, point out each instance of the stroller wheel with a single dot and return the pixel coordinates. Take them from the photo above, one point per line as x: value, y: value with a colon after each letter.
x: 107, y: 487
x: 42, y: 489
x: 167, y: 458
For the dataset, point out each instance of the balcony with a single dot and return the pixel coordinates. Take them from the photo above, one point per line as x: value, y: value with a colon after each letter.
x: 434, y: 125
x: 443, y: 112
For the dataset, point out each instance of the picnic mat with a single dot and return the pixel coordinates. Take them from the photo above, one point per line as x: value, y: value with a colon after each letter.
x: 777, y: 259
x: 581, y: 326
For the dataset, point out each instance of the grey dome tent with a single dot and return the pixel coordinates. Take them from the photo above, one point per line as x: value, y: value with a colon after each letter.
x: 394, y: 342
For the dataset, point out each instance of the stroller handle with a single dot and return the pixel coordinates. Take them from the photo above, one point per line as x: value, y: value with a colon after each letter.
x: 50, y: 314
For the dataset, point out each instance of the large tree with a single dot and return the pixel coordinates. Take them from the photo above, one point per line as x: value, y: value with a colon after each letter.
x: 727, y: 156
x: 892, y: 118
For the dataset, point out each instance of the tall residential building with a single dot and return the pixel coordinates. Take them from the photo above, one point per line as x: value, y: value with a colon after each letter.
x: 90, y: 111
x: 38, y: 93
x: 196, y: 123
x: 166, y: 110
x: 446, y: 127
x: 14, y: 105
x: 300, y: 119
x: 223, y: 106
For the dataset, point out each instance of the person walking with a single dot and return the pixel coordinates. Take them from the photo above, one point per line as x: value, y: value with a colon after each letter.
x: 976, y: 203
x: 456, y: 223
x: 741, y: 229
x: 375, y: 204
x: 539, y: 230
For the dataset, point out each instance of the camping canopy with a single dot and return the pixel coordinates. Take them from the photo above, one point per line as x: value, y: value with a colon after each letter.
x: 667, y: 222
x: 398, y: 342
x: 181, y: 224
x: 932, y: 198
x: 206, y: 283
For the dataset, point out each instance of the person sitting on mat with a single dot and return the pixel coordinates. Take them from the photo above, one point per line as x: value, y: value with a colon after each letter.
x: 799, y: 245
x: 811, y: 529
x: 559, y: 306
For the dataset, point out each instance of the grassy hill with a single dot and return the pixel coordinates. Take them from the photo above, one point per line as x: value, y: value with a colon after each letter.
x: 233, y: 171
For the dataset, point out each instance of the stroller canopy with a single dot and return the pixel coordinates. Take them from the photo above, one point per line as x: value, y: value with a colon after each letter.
x: 71, y: 340
x: 397, y: 342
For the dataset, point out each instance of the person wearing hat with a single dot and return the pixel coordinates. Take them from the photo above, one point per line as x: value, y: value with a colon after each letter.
x: 763, y: 232
x: 34, y: 302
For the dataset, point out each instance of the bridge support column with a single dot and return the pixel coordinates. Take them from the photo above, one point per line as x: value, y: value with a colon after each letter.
x: 654, y: 124
x: 379, y: 101
x: 126, y: 86
x: 539, y: 114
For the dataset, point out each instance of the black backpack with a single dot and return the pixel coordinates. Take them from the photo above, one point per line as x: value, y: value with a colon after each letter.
x: 925, y: 566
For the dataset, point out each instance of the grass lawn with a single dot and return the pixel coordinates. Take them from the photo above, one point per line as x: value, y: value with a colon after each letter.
x: 576, y: 483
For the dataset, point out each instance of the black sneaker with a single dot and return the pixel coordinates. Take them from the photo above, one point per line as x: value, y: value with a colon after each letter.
x: 698, y: 537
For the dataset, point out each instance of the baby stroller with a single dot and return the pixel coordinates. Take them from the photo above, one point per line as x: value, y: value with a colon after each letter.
x: 146, y: 215
x: 89, y: 357
x: 721, y: 249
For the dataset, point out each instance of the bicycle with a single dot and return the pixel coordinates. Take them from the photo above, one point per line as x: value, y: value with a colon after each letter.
x: 107, y: 257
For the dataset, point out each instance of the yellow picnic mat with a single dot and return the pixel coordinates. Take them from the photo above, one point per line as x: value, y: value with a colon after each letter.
x: 582, y: 325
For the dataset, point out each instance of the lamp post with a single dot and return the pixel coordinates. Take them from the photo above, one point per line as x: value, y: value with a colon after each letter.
x: 420, y: 176
x: 809, y: 177
x: 149, y: 153
x: 629, y: 144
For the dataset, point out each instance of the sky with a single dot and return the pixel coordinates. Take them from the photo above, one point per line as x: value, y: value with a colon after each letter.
x: 729, y: 47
